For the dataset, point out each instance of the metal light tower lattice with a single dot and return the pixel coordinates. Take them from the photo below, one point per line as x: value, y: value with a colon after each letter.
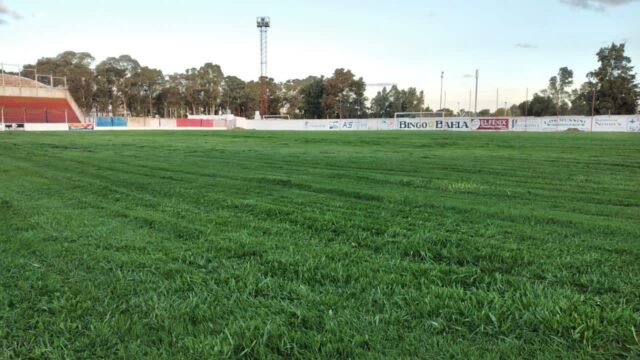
x: 263, y: 23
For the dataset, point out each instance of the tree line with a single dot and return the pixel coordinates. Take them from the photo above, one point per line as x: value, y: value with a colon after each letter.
x: 121, y: 85
x: 611, y: 89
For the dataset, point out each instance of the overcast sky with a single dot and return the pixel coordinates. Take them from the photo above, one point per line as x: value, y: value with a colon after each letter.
x: 515, y: 43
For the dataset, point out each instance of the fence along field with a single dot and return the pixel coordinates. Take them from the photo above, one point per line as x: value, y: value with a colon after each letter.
x: 307, y: 244
x: 625, y: 123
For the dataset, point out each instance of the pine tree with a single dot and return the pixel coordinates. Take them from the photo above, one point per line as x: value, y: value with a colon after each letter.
x: 616, y: 90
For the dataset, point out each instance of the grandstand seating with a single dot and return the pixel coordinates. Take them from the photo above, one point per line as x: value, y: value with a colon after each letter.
x: 19, y: 109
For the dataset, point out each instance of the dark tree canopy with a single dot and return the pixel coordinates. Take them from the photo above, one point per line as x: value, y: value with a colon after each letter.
x: 615, y: 82
x: 121, y: 85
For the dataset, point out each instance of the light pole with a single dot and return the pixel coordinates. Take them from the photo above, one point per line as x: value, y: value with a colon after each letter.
x: 593, y: 104
x: 441, y: 87
x: 475, y: 110
x: 263, y: 23
x: 445, y: 100
x: 526, y: 105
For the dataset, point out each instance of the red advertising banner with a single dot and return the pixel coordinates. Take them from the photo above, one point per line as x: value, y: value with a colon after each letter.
x: 494, y: 124
x: 194, y: 123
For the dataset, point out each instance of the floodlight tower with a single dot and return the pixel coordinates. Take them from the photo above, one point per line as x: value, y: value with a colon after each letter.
x: 264, y: 23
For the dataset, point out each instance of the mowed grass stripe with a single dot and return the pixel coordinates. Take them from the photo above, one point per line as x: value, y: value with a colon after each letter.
x: 332, y: 245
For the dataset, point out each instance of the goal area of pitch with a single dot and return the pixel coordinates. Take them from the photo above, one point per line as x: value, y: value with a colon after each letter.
x: 418, y: 115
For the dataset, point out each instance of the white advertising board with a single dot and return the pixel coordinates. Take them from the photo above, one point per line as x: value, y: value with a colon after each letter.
x: 609, y: 123
x: 526, y: 124
x: 633, y: 123
x: 564, y: 123
x: 445, y: 124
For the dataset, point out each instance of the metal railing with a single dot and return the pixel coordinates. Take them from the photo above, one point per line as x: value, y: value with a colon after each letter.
x: 16, y: 79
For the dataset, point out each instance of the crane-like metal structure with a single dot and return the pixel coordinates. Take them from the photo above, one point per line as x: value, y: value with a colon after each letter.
x: 263, y: 23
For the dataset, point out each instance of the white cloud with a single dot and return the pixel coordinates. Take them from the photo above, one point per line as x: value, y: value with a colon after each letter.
x: 597, y: 4
x: 6, y: 12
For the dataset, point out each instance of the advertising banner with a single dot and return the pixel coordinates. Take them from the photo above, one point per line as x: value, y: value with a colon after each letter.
x: 609, y: 123
x: 526, y: 124
x: 633, y: 123
x: 357, y: 124
x: 565, y: 123
x: 451, y: 124
x: 490, y: 124
x: 203, y: 123
x: 386, y: 124
x: 351, y: 124
x: 316, y: 125
x: 111, y: 121
x: 80, y: 127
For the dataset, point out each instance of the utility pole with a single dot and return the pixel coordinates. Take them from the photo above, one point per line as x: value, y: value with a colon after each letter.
x: 475, y: 110
x: 497, y: 96
x: 526, y: 105
x: 593, y: 104
x: 263, y: 23
x: 441, y: 87
x: 445, y: 100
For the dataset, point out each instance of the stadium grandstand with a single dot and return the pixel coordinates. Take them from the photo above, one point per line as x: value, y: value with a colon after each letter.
x: 26, y: 101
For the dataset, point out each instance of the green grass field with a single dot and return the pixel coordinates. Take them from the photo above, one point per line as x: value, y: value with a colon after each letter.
x: 319, y: 245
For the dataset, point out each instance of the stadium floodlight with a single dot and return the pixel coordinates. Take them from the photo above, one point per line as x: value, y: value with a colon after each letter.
x: 263, y: 23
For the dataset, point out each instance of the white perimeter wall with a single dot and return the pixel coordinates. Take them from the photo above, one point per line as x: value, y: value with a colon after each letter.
x: 629, y: 123
x: 46, y: 127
